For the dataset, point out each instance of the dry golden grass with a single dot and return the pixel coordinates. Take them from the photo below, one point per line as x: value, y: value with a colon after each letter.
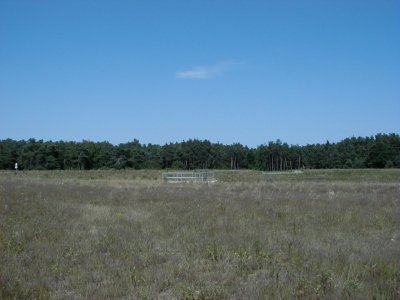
x: 128, y: 235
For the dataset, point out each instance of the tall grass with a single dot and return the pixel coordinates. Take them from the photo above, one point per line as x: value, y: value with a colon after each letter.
x: 124, y: 235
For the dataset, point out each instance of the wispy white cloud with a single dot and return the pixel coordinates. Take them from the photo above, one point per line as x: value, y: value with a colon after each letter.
x: 205, y: 72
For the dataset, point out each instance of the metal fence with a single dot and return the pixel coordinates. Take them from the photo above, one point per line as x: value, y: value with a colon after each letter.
x: 189, y: 176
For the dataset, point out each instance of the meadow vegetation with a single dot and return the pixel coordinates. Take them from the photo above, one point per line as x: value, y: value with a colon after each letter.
x: 128, y: 235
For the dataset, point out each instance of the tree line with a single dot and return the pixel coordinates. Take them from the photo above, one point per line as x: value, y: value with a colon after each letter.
x: 379, y: 151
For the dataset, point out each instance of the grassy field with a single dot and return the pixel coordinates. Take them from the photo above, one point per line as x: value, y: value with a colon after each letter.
x: 127, y: 235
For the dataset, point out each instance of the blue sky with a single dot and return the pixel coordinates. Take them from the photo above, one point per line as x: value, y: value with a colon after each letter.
x: 226, y: 71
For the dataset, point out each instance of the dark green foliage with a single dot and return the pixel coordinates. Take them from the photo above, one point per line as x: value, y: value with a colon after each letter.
x: 381, y: 151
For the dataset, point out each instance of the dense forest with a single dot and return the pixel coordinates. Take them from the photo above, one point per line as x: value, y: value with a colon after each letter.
x: 379, y: 151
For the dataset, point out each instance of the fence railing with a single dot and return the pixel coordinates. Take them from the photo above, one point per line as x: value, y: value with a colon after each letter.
x: 189, y: 176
